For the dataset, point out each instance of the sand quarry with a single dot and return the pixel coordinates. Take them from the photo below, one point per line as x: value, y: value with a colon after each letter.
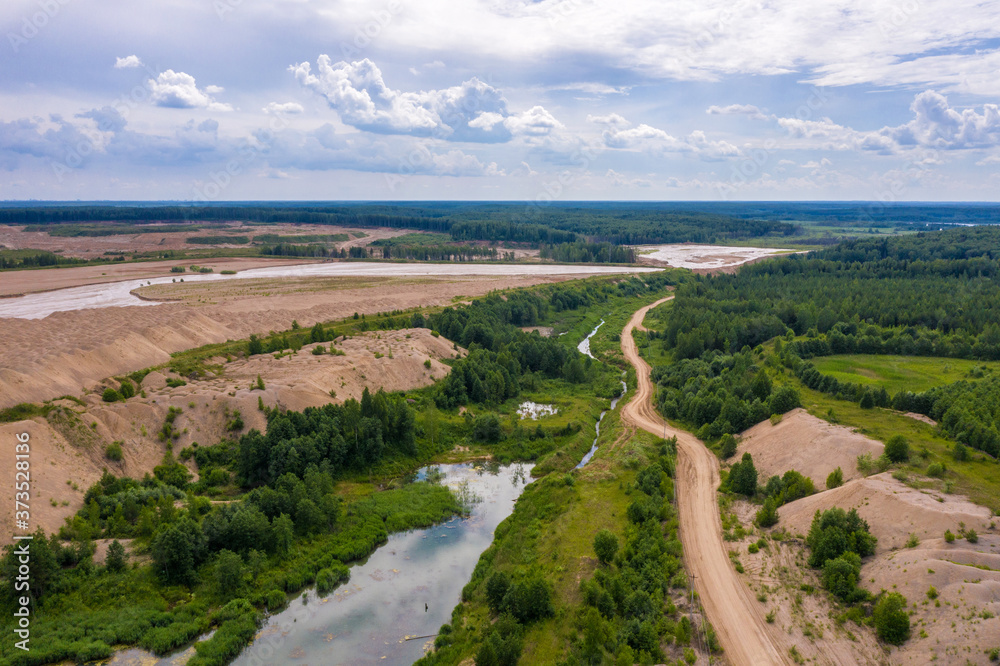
x: 958, y: 627
x: 67, y: 352
x: 68, y: 446
x: 704, y: 258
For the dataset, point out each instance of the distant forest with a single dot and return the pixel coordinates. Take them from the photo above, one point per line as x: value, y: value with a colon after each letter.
x: 517, y: 223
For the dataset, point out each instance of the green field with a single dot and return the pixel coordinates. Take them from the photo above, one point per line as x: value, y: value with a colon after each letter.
x: 900, y: 373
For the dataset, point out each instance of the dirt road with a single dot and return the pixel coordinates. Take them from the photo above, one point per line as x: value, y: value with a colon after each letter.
x: 735, y: 614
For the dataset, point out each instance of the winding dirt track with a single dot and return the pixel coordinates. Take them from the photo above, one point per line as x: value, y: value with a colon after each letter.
x: 731, y: 607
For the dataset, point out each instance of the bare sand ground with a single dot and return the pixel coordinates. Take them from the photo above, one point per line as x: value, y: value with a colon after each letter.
x: 152, y: 240
x: 67, y: 352
x: 793, y: 443
x: 703, y: 258
x: 966, y: 622
x: 67, y: 447
x: 49, y: 279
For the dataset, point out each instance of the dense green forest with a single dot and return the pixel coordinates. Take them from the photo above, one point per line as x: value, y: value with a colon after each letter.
x: 519, y: 223
x: 928, y: 294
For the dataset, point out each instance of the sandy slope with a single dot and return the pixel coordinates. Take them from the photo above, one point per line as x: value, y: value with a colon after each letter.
x: 793, y: 443
x: 728, y: 602
x: 67, y: 448
x: 966, y: 575
x: 70, y: 351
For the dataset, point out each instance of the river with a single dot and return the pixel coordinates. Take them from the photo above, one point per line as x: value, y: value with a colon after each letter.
x: 368, y: 619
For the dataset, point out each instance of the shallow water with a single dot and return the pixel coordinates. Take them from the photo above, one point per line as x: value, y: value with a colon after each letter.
x: 584, y: 348
x: 117, y: 294
x: 368, y: 619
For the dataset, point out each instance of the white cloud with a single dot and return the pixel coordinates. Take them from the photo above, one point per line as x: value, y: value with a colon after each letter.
x: 178, y: 90
x: 620, y: 180
x: 991, y: 159
x: 128, y: 62
x: 472, y: 111
x: 737, y: 109
x: 618, y: 135
x: 286, y: 108
x: 935, y: 125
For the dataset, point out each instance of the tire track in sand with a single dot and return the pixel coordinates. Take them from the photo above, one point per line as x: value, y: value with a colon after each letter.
x: 735, y: 614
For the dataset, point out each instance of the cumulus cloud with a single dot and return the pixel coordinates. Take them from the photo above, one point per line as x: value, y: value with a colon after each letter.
x: 286, y: 108
x: 128, y: 62
x: 736, y: 109
x: 472, y: 111
x: 620, y: 136
x: 178, y: 90
x: 935, y: 125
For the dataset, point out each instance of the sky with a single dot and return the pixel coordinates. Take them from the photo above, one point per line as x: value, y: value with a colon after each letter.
x: 549, y: 100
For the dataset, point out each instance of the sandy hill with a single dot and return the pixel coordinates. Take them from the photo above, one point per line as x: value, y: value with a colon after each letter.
x: 966, y: 575
x: 67, y: 447
x: 809, y: 445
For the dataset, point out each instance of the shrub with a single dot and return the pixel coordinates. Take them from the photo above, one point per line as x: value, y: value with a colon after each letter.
x: 897, y: 449
x: 175, y: 382
x: 891, y: 622
x: 913, y: 541
x: 932, y: 593
x: 840, y: 575
x: 971, y: 536
x: 753, y: 549
x: 275, y: 599
x: 605, y: 545
x: 784, y: 400
x: 743, y: 476
x: 960, y: 453
x: 836, y: 478
x: 496, y: 589
x: 728, y: 446
x: 177, y: 269
x: 113, y: 451
x: 127, y: 389
x: 427, y: 364
x: 117, y: 559
x: 768, y: 514
x: 948, y: 536
x: 111, y: 395
x: 936, y: 470
x: 318, y: 350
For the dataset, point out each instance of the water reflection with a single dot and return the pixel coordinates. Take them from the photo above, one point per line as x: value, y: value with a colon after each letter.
x: 395, y: 602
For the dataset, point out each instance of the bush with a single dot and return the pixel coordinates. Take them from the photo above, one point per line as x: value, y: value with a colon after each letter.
x: 960, y: 453
x: 971, y: 536
x: 784, y: 400
x: 932, y: 593
x: 897, y: 449
x: 127, y: 389
x: 768, y: 514
x: 113, y: 451
x: 836, y: 478
x: 892, y: 624
x: 743, y: 476
x: 727, y: 446
x: 117, y: 559
x: 318, y: 350
x: 605, y: 545
x: 111, y: 395
x: 275, y: 599
x: 936, y: 470
x: 948, y: 536
x: 496, y: 589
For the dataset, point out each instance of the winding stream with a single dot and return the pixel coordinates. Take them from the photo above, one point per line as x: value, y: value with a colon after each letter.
x: 584, y: 348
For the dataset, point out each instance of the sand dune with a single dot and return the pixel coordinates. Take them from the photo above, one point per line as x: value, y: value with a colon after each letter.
x: 795, y: 441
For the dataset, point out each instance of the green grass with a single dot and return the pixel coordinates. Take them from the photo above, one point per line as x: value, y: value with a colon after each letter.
x: 900, y: 373
x: 305, y: 238
x: 978, y: 478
